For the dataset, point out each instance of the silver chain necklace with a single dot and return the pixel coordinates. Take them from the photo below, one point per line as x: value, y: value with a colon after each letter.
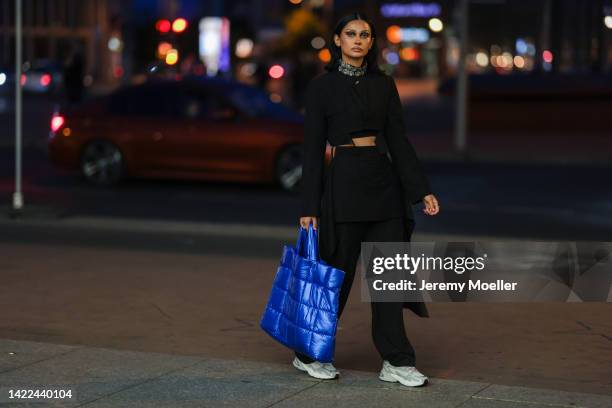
x: 352, y: 70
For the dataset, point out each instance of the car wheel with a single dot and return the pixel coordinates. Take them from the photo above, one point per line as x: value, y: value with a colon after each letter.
x: 102, y: 163
x: 289, y: 168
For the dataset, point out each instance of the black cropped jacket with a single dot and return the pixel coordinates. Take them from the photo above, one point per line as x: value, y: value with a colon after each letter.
x: 334, y: 109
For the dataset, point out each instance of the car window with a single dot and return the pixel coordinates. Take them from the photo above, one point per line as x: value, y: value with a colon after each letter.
x: 158, y: 100
x: 207, y: 105
x: 256, y: 103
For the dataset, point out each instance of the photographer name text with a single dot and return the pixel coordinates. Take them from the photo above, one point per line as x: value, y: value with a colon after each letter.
x: 404, y: 284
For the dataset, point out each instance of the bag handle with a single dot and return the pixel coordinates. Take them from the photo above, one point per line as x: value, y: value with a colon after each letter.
x: 309, y: 239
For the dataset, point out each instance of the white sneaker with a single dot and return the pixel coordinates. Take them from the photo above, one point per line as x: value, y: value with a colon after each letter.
x: 408, y: 376
x: 330, y: 367
x: 322, y: 371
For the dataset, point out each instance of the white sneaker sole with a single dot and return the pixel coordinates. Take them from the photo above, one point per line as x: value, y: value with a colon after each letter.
x: 303, y: 367
x: 396, y: 378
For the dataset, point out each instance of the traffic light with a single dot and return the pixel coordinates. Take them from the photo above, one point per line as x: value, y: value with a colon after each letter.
x: 163, y: 26
x: 179, y: 25
x: 167, y: 49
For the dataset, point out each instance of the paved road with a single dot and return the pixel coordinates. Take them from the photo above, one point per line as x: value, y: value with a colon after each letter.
x: 538, y: 201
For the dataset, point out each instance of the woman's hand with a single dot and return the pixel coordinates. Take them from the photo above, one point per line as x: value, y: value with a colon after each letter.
x: 305, y: 222
x: 431, y: 205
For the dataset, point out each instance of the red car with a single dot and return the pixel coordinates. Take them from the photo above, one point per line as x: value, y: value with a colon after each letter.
x: 194, y: 128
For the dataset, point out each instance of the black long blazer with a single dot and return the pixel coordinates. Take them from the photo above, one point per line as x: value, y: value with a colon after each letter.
x: 334, y: 108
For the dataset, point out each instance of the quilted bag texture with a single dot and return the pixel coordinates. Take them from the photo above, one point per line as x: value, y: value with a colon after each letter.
x: 302, y: 311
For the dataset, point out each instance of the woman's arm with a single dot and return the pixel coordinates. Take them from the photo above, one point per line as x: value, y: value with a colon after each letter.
x: 405, y: 161
x: 315, y: 135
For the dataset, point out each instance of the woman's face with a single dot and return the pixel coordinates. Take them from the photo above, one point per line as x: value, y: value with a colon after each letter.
x: 355, y: 39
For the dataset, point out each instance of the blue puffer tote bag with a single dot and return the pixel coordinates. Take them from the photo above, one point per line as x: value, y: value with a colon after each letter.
x: 302, y: 311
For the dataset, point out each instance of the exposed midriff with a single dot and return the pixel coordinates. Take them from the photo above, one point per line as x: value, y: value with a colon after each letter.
x: 362, y: 141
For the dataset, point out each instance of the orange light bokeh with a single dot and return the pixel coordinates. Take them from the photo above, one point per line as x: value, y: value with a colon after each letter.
x: 163, y: 48
x: 394, y: 34
x: 324, y: 55
x: 409, y: 54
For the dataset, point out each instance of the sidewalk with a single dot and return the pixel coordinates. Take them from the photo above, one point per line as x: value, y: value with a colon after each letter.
x: 162, y: 287
x: 101, y: 377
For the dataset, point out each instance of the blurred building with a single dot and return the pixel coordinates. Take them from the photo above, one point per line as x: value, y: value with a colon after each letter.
x: 53, y: 28
x: 505, y: 36
x: 120, y: 39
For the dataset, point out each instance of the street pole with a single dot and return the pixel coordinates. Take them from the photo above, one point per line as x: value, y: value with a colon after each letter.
x: 545, y: 32
x: 17, y: 195
x: 461, y: 88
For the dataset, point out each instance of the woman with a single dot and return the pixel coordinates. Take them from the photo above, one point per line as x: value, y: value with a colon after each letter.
x: 366, y: 195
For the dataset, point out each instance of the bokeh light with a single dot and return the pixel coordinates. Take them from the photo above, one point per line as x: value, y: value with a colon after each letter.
x: 276, y: 71
x: 409, y: 54
x: 163, y: 26
x: 248, y: 69
x: 172, y: 56
x: 392, y: 58
x: 317, y: 43
x: 482, y: 59
x: 114, y: 44
x: 179, y: 25
x: 45, y: 80
x: 244, y: 47
x: 394, y: 34
x: 435, y: 25
x: 324, y: 55
x: 56, y: 122
x: 519, y: 61
x: 162, y: 49
x: 507, y: 60
x: 521, y: 46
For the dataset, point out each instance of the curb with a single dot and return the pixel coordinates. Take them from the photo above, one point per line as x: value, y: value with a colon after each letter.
x: 198, y: 228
